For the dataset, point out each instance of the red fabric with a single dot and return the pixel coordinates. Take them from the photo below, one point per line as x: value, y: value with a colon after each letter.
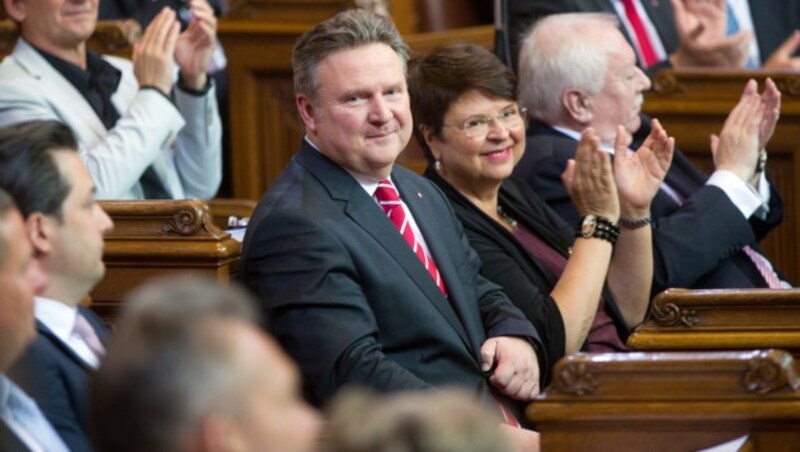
x: 645, y: 46
x: 389, y: 200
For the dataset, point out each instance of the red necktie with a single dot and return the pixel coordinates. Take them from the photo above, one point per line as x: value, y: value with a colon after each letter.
x: 389, y: 200
x: 648, y: 55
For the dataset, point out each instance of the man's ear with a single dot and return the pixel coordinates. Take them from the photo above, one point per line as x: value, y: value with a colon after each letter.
x: 39, y: 228
x: 15, y: 10
x: 578, y: 105
x: 305, y: 108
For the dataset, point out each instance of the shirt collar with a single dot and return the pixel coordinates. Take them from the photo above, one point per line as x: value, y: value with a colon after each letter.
x: 98, y: 71
x: 57, y: 316
x: 575, y: 135
x: 368, y: 183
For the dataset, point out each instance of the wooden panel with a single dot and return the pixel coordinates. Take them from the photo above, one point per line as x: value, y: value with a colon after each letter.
x: 670, y: 401
x: 721, y: 320
x: 156, y: 238
x: 692, y: 104
x: 110, y: 37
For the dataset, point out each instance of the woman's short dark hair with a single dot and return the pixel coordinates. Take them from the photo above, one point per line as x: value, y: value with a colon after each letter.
x: 438, y: 79
x: 28, y: 170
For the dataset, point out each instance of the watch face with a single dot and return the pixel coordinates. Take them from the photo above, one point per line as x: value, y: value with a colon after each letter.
x: 588, y: 226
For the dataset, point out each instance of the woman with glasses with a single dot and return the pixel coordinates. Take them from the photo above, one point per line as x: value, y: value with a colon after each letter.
x: 583, y: 287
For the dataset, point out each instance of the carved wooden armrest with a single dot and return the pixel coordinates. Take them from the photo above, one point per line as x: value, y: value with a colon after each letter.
x: 721, y: 319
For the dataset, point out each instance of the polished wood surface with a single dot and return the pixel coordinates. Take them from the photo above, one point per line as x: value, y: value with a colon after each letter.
x: 157, y: 238
x: 670, y: 401
x: 692, y: 104
x: 721, y: 320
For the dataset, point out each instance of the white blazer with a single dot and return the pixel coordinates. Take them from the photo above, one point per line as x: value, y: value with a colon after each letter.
x: 183, y: 144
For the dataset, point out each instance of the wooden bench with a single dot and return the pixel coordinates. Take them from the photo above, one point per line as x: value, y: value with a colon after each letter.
x: 670, y: 401
x: 721, y: 320
x: 157, y: 238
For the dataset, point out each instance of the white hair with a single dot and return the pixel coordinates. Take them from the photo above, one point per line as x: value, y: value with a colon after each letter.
x: 562, y: 52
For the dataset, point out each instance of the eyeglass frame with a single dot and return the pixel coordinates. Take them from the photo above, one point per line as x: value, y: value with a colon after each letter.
x: 520, y: 112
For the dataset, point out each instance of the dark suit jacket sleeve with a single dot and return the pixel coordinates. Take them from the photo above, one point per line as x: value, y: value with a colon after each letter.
x: 693, y: 240
x: 39, y: 374
x: 318, y: 310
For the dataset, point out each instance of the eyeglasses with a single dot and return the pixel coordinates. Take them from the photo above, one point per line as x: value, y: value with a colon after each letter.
x: 512, y: 118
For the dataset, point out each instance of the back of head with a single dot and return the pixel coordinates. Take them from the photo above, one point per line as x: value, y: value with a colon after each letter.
x: 440, y: 78
x: 443, y: 421
x: 559, y: 52
x: 346, y: 30
x: 28, y: 170
x: 172, y: 362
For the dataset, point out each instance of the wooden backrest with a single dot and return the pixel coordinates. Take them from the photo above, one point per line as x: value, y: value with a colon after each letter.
x: 670, y: 401
x: 721, y: 320
x: 692, y: 104
x: 157, y: 238
x: 114, y: 37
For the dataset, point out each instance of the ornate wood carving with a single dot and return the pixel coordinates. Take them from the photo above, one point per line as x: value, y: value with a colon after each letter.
x: 670, y: 314
x: 770, y: 372
x: 574, y: 378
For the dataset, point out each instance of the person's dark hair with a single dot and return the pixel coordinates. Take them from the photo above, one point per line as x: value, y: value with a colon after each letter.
x: 169, y: 364
x: 346, y: 30
x: 6, y: 204
x: 440, y: 78
x: 28, y: 170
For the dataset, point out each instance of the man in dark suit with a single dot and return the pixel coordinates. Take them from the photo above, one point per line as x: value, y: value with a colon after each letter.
x: 733, y: 33
x: 705, y: 229
x: 364, y: 288
x: 23, y: 427
x: 40, y: 168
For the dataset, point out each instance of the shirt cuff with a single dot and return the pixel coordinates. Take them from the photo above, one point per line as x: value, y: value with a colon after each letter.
x: 742, y: 194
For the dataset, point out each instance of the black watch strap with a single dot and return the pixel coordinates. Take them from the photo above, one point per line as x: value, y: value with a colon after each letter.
x: 596, y: 227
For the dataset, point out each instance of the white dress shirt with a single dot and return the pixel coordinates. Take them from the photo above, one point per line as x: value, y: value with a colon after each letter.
x: 60, y: 319
x: 23, y: 417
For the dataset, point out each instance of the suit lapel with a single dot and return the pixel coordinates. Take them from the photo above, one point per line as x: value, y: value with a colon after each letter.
x: 451, y: 307
x: 64, y: 94
x: 366, y: 213
x: 48, y: 334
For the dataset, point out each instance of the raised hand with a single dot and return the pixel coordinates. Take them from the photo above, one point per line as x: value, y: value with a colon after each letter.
x: 639, y: 174
x: 589, y: 179
x: 153, y: 62
x: 771, y: 100
x: 196, y: 44
x: 516, y: 368
x: 736, y: 148
x: 783, y: 57
x: 701, y: 26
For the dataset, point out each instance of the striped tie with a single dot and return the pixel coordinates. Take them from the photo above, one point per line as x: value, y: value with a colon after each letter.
x: 389, y: 200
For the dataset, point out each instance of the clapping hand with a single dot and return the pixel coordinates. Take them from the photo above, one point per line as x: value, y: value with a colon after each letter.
x: 702, y: 29
x: 737, y: 146
x: 196, y: 44
x: 589, y: 179
x: 639, y: 174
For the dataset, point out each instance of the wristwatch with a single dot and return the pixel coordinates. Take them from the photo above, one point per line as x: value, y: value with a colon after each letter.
x: 593, y: 226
